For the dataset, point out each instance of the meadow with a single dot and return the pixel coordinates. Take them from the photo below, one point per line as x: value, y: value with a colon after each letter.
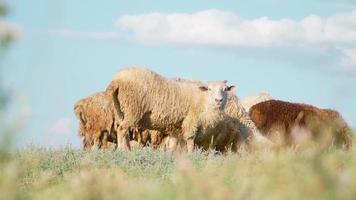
x: 282, y: 173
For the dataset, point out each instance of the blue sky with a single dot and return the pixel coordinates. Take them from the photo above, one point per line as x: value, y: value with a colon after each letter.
x: 299, y: 51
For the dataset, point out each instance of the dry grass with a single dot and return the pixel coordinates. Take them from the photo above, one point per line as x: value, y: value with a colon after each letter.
x: 311, y: 173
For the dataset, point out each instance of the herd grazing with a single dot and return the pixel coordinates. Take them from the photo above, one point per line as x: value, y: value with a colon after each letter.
x: 142, y: 108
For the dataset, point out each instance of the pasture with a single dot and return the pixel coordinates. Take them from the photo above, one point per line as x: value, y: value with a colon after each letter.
x: 281, y: 173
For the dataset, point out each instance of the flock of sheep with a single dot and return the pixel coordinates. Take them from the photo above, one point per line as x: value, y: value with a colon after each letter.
x: 141, y: 107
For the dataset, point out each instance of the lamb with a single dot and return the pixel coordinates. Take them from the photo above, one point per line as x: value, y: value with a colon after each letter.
x: 278, y: 117
x: 147, y: 100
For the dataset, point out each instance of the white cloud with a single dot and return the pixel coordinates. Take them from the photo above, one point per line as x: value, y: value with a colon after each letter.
x: 62, y: 126
x: 9, y: 29
x: 85, y: 34
x: 214, y: 27
x: 226, y: 29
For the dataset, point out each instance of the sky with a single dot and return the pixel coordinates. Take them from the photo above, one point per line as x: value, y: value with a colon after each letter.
x: 299, y: 51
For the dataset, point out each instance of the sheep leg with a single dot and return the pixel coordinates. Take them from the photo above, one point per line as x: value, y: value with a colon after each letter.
x: 190, y: 145
x: 189, y: 138
x: 85, y: 143
x: 97, y: 144
x: 140, y: 139
x: 123, y: 139
x: 123, y: 134
x: 171, y: 145
x: 105, y: 139
x: 190, y: 128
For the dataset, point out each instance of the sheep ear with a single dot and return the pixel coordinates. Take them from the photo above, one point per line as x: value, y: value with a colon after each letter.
x: 203, y: 88
x: 231, y: 88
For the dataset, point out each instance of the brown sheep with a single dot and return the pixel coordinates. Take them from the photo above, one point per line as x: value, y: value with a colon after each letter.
x: 97, y: 119
x: 275, y: 117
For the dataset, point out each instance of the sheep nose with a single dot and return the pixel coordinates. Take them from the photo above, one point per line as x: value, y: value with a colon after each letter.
x: 218, y: 100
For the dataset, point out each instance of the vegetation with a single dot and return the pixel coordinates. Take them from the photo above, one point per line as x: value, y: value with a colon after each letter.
x: 6, y: 38
x: 150, y: 174
x: 3, y: 9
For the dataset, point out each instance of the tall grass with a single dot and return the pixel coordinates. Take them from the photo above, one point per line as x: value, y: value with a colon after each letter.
x: 39, y: 173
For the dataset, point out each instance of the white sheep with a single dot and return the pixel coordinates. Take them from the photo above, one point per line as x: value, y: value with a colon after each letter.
x: 147, y: 100
x: 238, y: 115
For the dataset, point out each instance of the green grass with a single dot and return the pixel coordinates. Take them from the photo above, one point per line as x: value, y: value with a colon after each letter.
x: 37, y: 173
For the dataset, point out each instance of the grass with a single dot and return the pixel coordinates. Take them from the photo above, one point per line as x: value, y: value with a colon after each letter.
x: 67, y: 173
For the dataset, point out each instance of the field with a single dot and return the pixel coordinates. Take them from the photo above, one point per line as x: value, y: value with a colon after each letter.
x: 67, y: 173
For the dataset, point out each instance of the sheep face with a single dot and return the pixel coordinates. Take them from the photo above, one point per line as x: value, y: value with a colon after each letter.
x: 216, y: 93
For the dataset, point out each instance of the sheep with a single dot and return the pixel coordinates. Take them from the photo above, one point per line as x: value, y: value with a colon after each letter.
x: 147, y: 100
x: 97, y: 119
x: 225, y: 135
x: 97, y: 115
x: 237, y: 115
x: 292, y: 120
x: 248, y: 128
x: 249, y: 101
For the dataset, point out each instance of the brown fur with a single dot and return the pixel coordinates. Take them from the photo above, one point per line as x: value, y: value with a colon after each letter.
x: 278, y: 117
x: 98, y: 117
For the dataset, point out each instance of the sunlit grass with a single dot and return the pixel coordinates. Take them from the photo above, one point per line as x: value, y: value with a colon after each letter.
x: 150, y: 174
